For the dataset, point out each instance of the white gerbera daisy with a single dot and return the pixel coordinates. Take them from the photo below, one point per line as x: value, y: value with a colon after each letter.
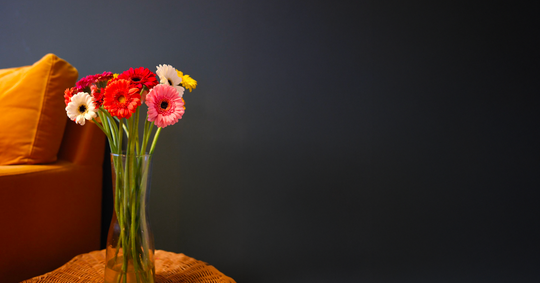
x: 168, y: 76
x: 81, y: 108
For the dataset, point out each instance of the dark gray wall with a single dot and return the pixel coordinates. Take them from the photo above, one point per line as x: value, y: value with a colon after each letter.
x: 327, y: 142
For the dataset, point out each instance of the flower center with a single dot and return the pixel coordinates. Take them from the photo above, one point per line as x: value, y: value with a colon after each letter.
x: 170, y: 83
x: 136, y: 79
x: 164, y: 105
x: 82, y: 108
x: 121, y: 99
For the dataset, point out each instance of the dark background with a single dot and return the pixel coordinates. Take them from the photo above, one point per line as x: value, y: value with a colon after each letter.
x: 359, y: 141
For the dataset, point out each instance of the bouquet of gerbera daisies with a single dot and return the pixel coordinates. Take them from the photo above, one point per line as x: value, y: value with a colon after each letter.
x: 113, y: 102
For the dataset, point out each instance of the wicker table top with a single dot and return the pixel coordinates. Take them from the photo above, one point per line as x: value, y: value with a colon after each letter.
x: 170, y: 268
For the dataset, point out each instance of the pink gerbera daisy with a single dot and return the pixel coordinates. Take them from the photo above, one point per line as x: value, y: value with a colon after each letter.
x: 85, y: 82
x: 165, y: 105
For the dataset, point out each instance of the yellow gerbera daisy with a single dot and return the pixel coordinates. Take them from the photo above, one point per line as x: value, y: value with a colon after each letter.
x: 187, y: 81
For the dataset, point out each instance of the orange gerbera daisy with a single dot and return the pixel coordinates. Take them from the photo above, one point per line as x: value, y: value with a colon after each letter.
x: 121, y: 100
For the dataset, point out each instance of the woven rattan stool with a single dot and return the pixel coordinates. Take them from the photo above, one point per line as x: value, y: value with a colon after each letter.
x: 170, y: 268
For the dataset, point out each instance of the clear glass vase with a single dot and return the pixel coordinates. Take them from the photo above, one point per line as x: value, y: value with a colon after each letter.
x: 130, y: 242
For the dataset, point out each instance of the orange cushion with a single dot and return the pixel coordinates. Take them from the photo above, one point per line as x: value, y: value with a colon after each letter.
x: 32, y: 110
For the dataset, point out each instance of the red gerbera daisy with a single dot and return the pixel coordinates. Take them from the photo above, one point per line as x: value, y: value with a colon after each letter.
x: 97, y: 94
x: 69, y: 93
x: 140, y: 77
x: 120, y: 99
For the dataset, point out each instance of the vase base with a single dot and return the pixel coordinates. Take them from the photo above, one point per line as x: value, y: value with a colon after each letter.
x: 113, y: 273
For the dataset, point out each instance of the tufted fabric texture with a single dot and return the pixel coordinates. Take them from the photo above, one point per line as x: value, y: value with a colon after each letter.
x: 170, y: 268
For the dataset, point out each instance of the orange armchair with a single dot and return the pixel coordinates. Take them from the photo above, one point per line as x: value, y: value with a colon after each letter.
x: 50, y: 183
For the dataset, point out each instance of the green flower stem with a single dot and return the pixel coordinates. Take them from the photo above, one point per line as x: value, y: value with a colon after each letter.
x: 148, y: 133
x: 131, y: 173
x: 126, y: 130
x: 121, y: 196
x: 144, y: 180
x: 156, y: 136
x: 145, y: 137
x: 112, y: 127
x: 134, y: 208
x: 107, y: 125
x: 106, y: 131
x: 117, y: 160
x: 136, y: 129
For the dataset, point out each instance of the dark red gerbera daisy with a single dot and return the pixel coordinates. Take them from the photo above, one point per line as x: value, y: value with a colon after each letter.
x: 139, y: 77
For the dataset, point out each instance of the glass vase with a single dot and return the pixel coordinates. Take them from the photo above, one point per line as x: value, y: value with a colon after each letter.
x: 130, y: 242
